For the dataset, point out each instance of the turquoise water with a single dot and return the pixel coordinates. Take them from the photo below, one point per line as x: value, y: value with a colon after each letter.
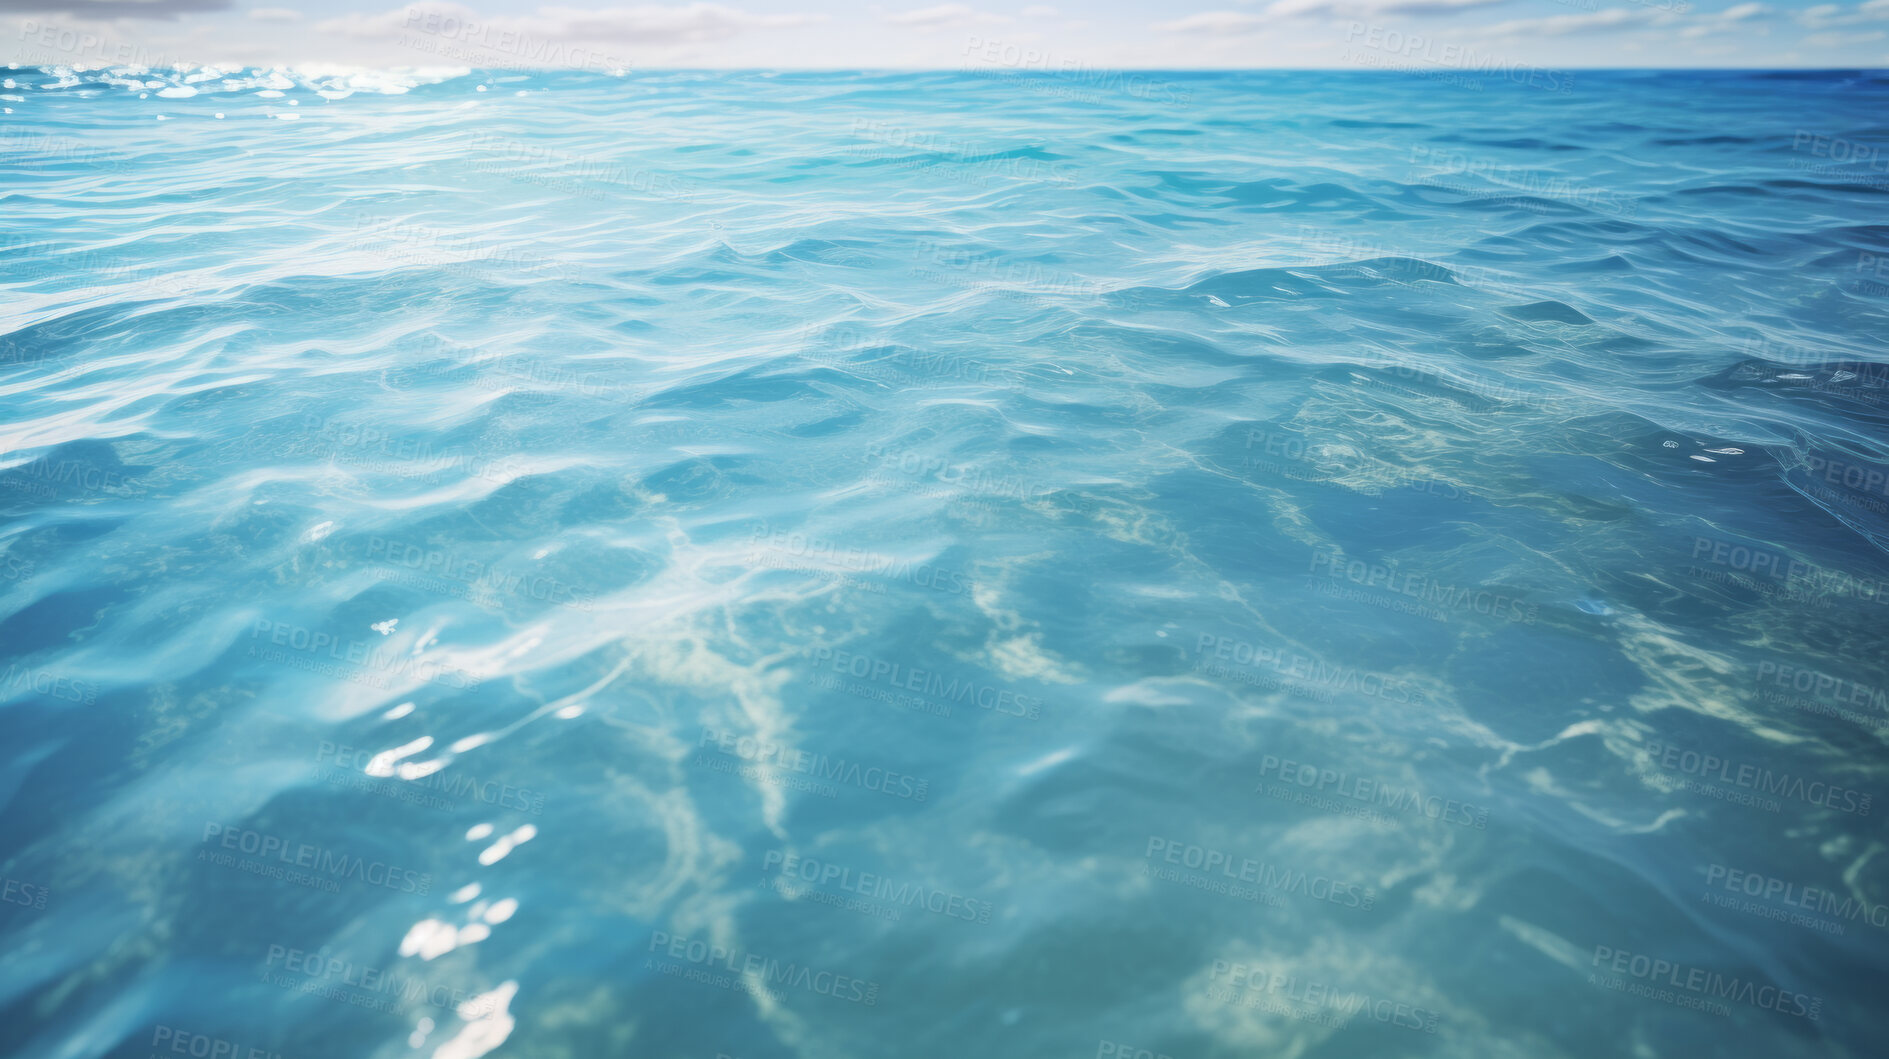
x: 862, y: 565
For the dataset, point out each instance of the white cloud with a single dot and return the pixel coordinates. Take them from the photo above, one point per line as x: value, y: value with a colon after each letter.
x: 1724, y: 21
x: 1300, y: 8
x: 1213, y: 22
x: 944, y: 15
x: 165, y: 10
x: 644, y: 24
x: 1824, y: 16
x: 1234, y: 22
x: 1622, y: 19
x: 1838, y: 40
x: 1566, y: 25
x: 926, y: 34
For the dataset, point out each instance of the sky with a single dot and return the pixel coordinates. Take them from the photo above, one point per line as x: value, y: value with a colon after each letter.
x: 1430, y: 35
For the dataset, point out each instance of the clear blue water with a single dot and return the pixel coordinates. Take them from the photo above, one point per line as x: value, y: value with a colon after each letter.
x: 755, y: 565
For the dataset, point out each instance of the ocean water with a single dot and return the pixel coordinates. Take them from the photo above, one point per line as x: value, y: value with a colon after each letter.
x: 852, y: 565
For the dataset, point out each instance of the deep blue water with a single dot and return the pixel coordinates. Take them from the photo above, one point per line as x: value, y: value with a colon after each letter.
x: 853, y: 565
